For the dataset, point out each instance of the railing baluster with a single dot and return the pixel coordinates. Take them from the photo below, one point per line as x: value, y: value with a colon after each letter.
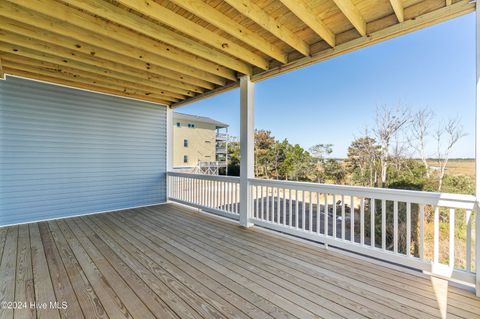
x: 284, y: 207
x: 395, y: 226
x: 296, y: 208
x: 384, y: 224
x: 421, y: 253
x: 310, y: 212
x: 225, y: 196
x: 257, y: 205
x: 278, y: 206
x: 468, y: 221
x: 303, y: 210
x: 262, y: 211
x: 409, y: 227
x: 318, y: 213
x: 267, y: 207
x: 436, y: 234
x: 343, y: 217
x: 352, y: 219
x: 372, y: 222
x: 334, y: 216
x: 362, y: 221
x: 290, y: 210
x: 325, y: 213
x: 451, y: 239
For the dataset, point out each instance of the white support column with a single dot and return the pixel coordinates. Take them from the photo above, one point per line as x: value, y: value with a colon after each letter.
x: 477, y: 152
x: 169, y: 155
x: 247, y: 136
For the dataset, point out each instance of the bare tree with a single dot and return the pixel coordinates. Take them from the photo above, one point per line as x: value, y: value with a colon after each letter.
x: 446, y: 136
x: 419, y: 132
x: 388, y: 123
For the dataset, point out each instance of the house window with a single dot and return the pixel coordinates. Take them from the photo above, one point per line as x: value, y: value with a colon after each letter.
x: 178, y: 124
x: 191, y: 125
x: 185, y: 143
x: 185, y: 158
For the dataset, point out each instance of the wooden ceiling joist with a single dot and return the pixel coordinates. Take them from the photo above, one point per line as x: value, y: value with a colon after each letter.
x: 113, y: 35
x: 175, y: 52
x: 62, y: 73
x: 6, y: 48
x: 76, y: 84
x: 398, y: 9
x: 305, y: 13
x: 353, y: 15
x: 2, y: 72
x: 160, y: 33
x: 230, y: 26
x: 167, y: 17
x: 71, y: 55
x: 70, y: 44
x: 249, y: 9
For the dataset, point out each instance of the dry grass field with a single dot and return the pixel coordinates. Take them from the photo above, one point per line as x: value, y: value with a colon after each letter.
x: 458, y: 167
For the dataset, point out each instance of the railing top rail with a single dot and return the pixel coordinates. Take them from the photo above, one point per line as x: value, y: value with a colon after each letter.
x: 419, y: 197
x: 232, y: 179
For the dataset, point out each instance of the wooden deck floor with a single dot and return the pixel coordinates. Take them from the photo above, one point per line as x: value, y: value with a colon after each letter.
x: 170, y: 262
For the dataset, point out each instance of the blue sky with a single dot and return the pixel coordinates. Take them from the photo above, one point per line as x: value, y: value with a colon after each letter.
x: 333, y: 101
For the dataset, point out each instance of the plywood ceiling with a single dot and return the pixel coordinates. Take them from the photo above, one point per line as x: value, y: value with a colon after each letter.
x: 177, y: 51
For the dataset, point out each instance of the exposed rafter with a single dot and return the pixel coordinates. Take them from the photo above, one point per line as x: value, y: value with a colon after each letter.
x: 156, y: 31
x: 2, y: 73
x: 125, y: 86
x: 230, y: 26
x: 304, y: 13
x: 178, y: 51
x: 180, y: 81
x: 165, y: 16
x: 249, y: 9
x: 398, y: 9
x: 41, y: 55
x: 71, y: 56
x: 112, y: 34
x: 76, y: 84
x: 353, y: 15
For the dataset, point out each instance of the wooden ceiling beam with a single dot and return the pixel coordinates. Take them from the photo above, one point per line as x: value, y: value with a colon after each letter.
x: 167, y: 17
x: 2, y: 73
x: 230, y: 26
x: 70, y: 44
x: 156, y: 31
x: 252, y: 11
x: 83, y: 26
x: 353, y: 15
x: 14, y: 60
x: 92, y: 67
x: 89, y: 87
x: 305, y: 13
x: 105, y: 83
x: 398, y: 9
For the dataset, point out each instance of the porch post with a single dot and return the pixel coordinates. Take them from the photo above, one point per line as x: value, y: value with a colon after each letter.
x: 169, y: 150
x: 477, y: 153
x: 247, y: 135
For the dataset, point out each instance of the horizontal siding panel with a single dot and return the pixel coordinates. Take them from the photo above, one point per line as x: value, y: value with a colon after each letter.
x: 68, y: 152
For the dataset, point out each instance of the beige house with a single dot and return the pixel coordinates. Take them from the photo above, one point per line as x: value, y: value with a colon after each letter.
x: 198, y: 143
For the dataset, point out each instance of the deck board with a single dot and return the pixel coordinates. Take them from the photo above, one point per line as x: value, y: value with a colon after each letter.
x: 169, y: 261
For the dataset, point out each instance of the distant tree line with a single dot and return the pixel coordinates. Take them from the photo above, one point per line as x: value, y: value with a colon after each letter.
x: 393, y: 154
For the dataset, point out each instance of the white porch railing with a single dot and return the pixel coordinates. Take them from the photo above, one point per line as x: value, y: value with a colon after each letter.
x: 214, y: 193
x: 399, y: 226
